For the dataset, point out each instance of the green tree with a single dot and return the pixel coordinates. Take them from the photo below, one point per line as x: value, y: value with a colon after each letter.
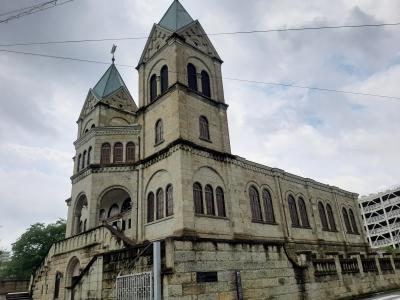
x: 31, y: 248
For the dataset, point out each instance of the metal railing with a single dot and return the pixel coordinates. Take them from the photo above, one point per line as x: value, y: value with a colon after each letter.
x: 137, y: 286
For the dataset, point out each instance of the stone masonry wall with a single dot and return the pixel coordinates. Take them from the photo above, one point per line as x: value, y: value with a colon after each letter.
x: 266, y: 273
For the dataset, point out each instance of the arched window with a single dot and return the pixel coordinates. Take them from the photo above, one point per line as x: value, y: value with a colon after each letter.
x: 353, y: 222
x: 105, y: 157
x: 269, y: 209
x: 159, y: 132
x: 118, y: 153
x: 113, y: 211
x: 160, y: 204
x: 192, y: 77
x: 89, y: 154
x: 85, y: 225
x: 102, y: 215
x: 169, y: 200
x: 198, y: 198
x: 205, y: 84
x: 255, y: 204
x: 150, y: 207
x: 153, y: 88
x: 130, y: 152
x: 204, y: 128
x: 209, y: 200
x: 303, y: 213
x: 346, y: 220
x: 93, y: 126
x: 57, y: 283
x: 164, y: 79
x: 78, y: 165
x: 126, y: 205
x: 220, y: 202
x: 84, y: 159
x: 294, y: 216
x: 322, y: 216
x: 331, y: 218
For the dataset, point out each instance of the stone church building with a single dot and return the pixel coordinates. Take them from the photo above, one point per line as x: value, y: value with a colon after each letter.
x: 162, y: 170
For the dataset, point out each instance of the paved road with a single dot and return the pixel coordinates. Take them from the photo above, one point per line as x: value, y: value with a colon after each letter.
x: 385, y: 296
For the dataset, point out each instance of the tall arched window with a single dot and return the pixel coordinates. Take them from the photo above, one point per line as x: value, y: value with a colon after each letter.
x: 130, y: 152
x: 205, y: 84
x: 209, y: 200
x: 164, y: 79
x: 150, y: 207
x: 192, y: 77
x: 159, y: 132
x: 220, y: 202
x: 84, y: 159
x: 126, y: 205
x: 105, y: 157
x: 198, y: 198
x: 269, y: 209
x: 78, y: 165
x: 169, y: 200
x: 322, y: 216
x: 346, y: 220
x: 294, y: 216
x: 255, y: 206
x: 331, y: 218
x: 353, y: 222
x: 204, y: 128
x: 118, y: 153
x: 113, y: 211
x: 57, y: 283
x: 303, y: 213
x: 160, y: 204
x: 153, y: 88
x: 89, y: 156
x: 85, y: 225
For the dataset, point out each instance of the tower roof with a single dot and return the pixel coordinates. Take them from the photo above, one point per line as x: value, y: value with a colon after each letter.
x: 176, y: 17
x: 109, y: 83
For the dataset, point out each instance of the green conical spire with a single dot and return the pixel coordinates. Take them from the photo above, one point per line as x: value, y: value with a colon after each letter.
x: 109, y: 83
x: 176, y: 17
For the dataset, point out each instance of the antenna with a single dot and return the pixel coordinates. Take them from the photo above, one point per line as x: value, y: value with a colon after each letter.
x: 113, y: 49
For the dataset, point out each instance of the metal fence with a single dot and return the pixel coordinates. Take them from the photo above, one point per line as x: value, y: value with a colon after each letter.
x: 137, y: 286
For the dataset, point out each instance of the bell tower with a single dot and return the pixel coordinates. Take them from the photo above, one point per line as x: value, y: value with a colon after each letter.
x: 180, y: 86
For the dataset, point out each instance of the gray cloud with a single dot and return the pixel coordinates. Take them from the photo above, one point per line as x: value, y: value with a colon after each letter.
x: 343, y: 140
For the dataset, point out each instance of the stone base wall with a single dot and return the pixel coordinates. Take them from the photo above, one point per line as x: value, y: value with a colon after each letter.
x: 266, y: 272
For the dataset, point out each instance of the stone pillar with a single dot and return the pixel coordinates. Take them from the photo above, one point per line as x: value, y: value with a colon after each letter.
x: 199, y: 85
x: 360, y: 267
x: 338, y: 267
x: 378, y: 266
x: 283, y: 207
x: 158, y: 86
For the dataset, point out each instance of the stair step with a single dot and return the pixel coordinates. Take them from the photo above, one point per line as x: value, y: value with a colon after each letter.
x: 18, y: 296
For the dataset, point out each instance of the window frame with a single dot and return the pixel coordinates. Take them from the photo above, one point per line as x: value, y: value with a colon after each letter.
x: 204, y: 128
x: 164, y: 79
x: 255, y: 205
x: 192, y: 77
x: 103, y: 154
x: 118, y: 153
x: 198, y: 198
x: 153, y: 88
x: 159, y: 132
x: 205, y: 84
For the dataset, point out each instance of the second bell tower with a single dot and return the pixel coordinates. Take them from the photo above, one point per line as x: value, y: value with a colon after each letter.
x: 180, y: 86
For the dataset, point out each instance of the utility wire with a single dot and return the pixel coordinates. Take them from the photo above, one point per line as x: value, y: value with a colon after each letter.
x: 22, y: 12
x: 226, y: 78
x: 210, y: 34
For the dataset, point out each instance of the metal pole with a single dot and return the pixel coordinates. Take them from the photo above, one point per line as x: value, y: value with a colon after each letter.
x: 157, y: 270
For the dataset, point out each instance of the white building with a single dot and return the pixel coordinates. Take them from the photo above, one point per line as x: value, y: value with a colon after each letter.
x: 381, y: 215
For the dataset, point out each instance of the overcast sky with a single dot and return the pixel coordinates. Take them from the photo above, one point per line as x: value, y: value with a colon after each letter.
x: 348, y: 141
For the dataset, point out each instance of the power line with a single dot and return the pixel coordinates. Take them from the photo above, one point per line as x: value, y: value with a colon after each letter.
x: 226, y: 78
x: 22, y: 12
x: 210, y: 34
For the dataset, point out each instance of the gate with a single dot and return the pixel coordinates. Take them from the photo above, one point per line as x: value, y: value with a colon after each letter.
x: 137, y: 286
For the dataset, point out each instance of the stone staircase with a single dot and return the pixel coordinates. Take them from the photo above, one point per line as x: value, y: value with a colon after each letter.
x: 105, y: 235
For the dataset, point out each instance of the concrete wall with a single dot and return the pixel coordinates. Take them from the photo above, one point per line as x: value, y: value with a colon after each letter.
x: 13, y: 286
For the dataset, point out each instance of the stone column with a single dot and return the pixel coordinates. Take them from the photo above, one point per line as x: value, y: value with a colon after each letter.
x: 360, y: 267
x: 158, y: 86
x: 338, y: 267
x: 199, y: 85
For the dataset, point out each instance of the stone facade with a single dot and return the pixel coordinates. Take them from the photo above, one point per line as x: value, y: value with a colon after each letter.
x: 164, y: 171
